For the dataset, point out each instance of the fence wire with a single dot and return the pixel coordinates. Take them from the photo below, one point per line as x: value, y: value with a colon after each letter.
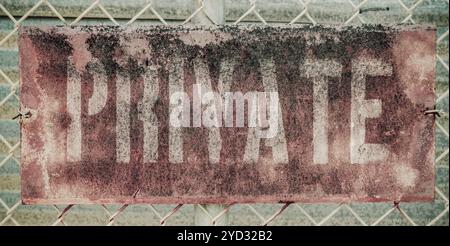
x: 355, y: 12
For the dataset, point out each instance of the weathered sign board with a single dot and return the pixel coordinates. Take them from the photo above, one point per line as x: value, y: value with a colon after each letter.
x: 226, y: 114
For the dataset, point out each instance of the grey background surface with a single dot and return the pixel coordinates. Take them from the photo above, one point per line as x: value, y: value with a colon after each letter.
x: 272, y: 12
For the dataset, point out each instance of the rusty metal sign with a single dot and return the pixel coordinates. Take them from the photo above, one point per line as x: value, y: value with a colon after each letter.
x: 226, y: 114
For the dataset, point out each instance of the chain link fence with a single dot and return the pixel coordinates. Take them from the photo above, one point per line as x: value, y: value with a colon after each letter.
x: 185, y: 12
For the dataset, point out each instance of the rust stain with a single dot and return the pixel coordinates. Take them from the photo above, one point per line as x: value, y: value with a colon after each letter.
x: 351, y: 125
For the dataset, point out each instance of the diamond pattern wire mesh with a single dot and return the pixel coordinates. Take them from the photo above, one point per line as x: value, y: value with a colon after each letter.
x: 288, y: 213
